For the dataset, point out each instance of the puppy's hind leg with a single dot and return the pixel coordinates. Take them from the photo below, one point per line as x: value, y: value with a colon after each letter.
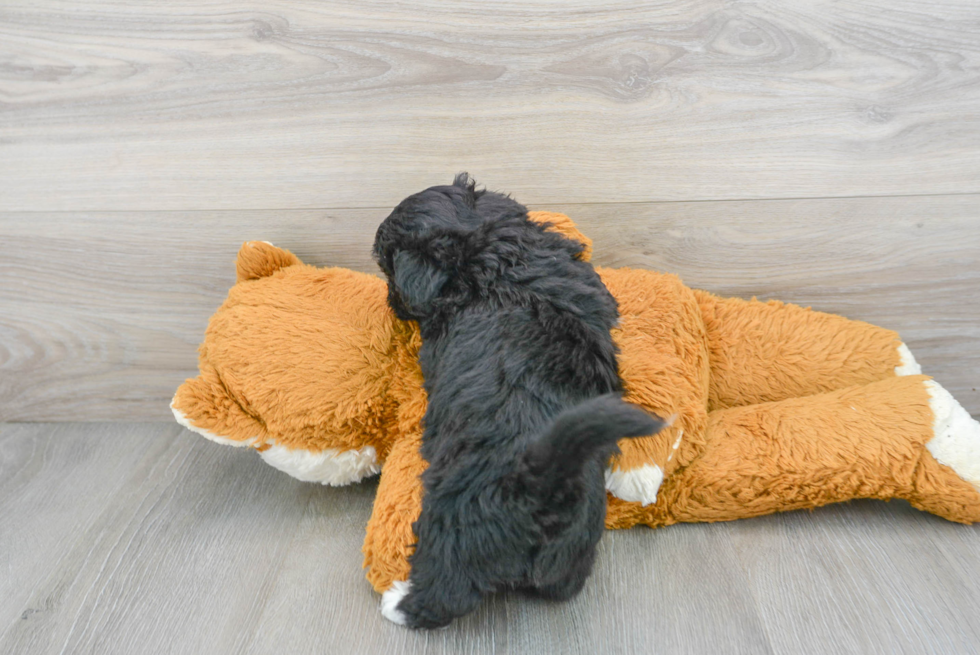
x: 432, y: 597
x: 571, y: 583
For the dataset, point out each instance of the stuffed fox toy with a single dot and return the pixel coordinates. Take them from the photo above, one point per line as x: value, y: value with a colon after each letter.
x: 777, y: 407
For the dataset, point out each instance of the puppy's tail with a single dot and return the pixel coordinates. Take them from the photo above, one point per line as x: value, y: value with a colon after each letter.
x: 586, y: 431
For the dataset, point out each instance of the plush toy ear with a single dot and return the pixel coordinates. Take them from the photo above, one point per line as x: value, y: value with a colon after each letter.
x: 564, y: 225
x: 417, y: 280
x: 258, y: 259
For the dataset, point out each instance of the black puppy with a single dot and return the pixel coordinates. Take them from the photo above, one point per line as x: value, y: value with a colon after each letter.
x: 524, y: 407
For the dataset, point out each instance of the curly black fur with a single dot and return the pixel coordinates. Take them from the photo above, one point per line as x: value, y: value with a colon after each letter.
x: 524, y: 407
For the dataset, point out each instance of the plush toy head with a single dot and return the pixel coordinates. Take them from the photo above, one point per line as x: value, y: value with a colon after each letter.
x: 310, y: 367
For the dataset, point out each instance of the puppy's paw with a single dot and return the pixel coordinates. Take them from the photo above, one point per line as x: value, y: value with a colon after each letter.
x: 390, y: 600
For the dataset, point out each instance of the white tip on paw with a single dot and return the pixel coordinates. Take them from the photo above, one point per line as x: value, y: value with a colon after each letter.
x: 908, y: 366
x: 636, y: 485
x: 391, y: 598
x: 957, y: 436
x: 331, y: 466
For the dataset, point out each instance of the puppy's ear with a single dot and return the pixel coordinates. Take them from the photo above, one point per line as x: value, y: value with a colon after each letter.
x: 418, y: 281
x: 468, y: 185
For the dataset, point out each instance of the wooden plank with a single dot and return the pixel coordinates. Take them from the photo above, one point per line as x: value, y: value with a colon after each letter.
x: 231, y: 105
x: 101, y: 313
x: 112, y: 306
x: 203, y: 548
x: 679, y: 590
x: 55, y: 483
x: 321, y: 601
x: 864, y: 577
x: 178, y: 558
x: 146, y: 538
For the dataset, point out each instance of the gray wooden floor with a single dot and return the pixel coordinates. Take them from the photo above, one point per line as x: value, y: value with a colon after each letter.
x: 144, y: 538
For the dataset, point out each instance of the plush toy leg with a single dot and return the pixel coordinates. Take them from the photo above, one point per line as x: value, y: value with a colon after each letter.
x: 664, y: 365
x: 768, y: 351
x: 903, y: 437
x: 390, y: 539
x: 435, y: 594
x: 955, y: 445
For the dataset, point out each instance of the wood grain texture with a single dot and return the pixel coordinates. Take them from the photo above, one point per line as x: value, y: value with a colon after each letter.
x: 55, y: 482
x: 292, y: 104
x: 123, y: 538
x: 101, y: 313
x: 821, y: 579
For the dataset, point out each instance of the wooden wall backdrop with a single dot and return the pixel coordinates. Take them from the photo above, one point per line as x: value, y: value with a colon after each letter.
x: 822, y: 153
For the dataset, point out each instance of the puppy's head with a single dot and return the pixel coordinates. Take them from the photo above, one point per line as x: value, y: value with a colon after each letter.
x: 422, y: 243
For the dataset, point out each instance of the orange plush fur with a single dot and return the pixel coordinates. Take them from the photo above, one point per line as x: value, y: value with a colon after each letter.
x: 778, y: 407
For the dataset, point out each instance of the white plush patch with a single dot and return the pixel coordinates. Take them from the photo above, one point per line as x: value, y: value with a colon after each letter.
x: 957, y: 436
x: 636, y: 485
x: 331, y: 466
x: 183, y: 420
x: 908, y: 366
x: 391, y: 598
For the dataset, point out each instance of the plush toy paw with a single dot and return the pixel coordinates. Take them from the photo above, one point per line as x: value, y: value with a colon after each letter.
x: 637, y: 485
x: 907, y: 364
x: 956, y: 443
x: 946, y: 479
x: 640, y: 484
